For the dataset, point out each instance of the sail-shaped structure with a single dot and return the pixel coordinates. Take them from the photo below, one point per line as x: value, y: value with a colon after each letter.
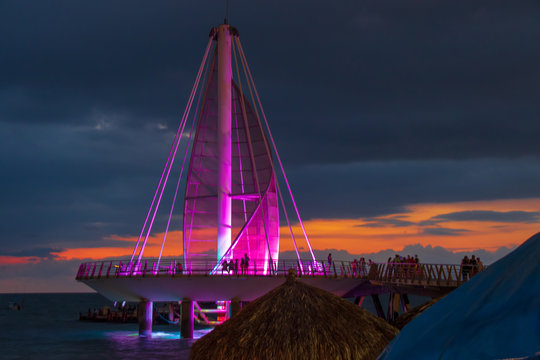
x: 254, y: 215
x: 231, y: 202
x: 229, y: 196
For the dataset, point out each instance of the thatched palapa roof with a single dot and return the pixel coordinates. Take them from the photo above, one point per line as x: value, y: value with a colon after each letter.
x: 297, y: 321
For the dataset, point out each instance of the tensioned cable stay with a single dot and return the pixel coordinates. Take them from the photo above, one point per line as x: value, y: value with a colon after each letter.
x: 187, y: 238
x: 250, y: 78
x: 169, y: 163
x: 273, y: 168
x: 262, y: 192
x: 181, y: 169
x: 250, y: 147
x: 155, y: 194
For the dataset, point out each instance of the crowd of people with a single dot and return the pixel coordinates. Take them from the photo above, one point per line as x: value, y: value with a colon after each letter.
x: 231, y: 266
x: 404, y: 259
x: 397, y: 266
x: 470, y: 267
x: 403, y: 266
x: 359, y: 267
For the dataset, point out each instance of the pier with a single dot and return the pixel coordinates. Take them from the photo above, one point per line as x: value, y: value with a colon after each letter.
x: 235, y: 197
x: 201, y: 281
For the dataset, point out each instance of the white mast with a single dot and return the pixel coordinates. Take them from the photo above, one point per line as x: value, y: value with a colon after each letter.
x: 224, y: 203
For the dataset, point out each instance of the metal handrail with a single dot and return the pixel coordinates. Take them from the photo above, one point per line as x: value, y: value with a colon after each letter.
x: 389, y: 273
x: 175, y: 267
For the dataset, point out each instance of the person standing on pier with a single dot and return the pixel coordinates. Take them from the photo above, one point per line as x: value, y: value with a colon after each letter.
x: 225, y: 267
x: 473, y: 266
x: 246, y: 262
x: 479, y: 264
x: 179, y: 268
x: 465, y: 268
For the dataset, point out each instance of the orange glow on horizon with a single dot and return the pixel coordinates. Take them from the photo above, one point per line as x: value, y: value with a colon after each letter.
x: 15, y: 260
x: 152, y: 249
x: 359, y: 236
x: 363, y: 236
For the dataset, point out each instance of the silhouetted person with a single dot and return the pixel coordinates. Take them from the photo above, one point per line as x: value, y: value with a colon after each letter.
x: 480, y: 264
x: 474, y: 266
x: 465, y: 269
x: 225, y: 267
x: 179, y: 268
x: 246, y: 263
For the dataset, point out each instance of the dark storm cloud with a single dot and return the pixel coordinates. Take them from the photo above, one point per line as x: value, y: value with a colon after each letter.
x: 68, y: 184
x: 438, y: 231
x: 44, y: 253
x: 362, y: 80
x: 392, y: 222
x: 418, y: 80
x: 369, y: 189
x: 526, y: 217
x: 91, y: 92
x: 63, y: 60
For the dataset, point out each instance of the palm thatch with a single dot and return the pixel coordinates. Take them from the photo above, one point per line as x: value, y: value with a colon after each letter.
x: 297, y: 321
x: 410, y: 315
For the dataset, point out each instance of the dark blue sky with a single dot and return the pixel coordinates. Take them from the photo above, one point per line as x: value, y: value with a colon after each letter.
x: 374, y: 105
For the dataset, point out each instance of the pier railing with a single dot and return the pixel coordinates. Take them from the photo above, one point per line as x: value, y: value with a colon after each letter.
x: 446, y: 275
x: 177, y: 267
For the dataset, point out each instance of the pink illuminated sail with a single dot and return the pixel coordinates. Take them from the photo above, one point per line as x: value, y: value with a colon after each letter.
x: 255, y: 214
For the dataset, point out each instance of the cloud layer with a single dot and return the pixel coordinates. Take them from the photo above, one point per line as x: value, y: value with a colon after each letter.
x: 375, y: 107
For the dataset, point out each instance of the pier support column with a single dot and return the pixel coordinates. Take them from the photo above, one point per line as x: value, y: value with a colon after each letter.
x: 359, y: 300
x: 171, y: 312
x: 236, y: 306
x: 393, y: 306
x: 378, y: 306
x: 405, y: 303
x: 145, y: 318
x: 188, y: 316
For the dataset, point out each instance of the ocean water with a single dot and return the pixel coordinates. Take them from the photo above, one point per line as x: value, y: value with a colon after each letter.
x: 48, y: 327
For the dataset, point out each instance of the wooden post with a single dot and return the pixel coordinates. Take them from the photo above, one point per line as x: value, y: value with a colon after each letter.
x: 359, y: 300
x: 236, y: 306
x: 395, y: 305
x: 378, y: 305
x: 390, y: 310
x: 187, y: 320
x: 405, y: 303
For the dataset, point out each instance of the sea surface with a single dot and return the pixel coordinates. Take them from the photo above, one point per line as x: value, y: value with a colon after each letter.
x: 48, y: 327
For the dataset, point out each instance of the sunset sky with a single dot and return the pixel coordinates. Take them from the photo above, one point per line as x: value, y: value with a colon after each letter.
x: 401, y: 125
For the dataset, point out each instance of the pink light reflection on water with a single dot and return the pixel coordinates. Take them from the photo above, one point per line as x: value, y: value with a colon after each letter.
x: 164, y: 344
x: 156, y: 335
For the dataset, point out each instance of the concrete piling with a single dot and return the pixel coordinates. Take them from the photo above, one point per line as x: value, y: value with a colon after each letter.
x: 187, y: 320
x: 145, y: 318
